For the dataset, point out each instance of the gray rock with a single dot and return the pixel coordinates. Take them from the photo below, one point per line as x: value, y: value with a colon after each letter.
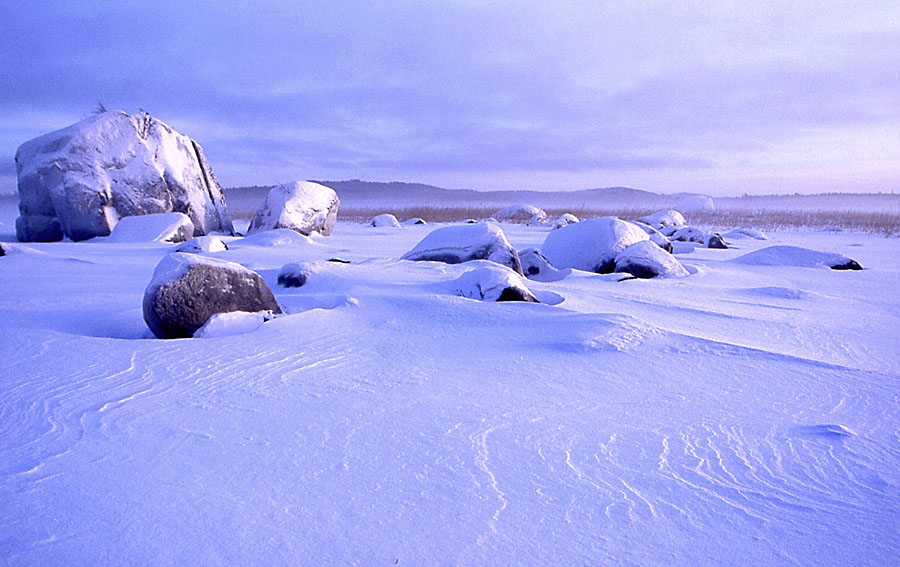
x: 187, y: 289
x: 301, y: 206
x: 463, y: 243
x: 79, y: 181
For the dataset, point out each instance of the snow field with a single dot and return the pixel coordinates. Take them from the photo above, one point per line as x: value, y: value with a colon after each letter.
x: 741, y: 415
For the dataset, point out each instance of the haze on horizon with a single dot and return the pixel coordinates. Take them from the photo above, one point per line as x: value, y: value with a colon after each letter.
x: 719, y: 98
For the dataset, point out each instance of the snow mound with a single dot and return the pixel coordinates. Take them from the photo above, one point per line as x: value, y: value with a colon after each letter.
x: 80, y: 180
x: 159, y: 227
x: 645, y: 259
x: 187, y: 289
x: 233, y: 323
x: 591, y: 245
x: 536, y: 267
x: 277, y: 237
x: 492, y: 282
x: 745, y: 233
x: 385, y: 220
x: 520, y: 213
x: 413, y: 221
x: 200, y: 244
x: 302, y: 206
x: 463, y: 243
x: 797, y: 257
x: 662, y: 219
x: 565, y: 220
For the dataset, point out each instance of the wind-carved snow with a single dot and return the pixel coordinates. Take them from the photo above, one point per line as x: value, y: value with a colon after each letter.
x: 744, y: 415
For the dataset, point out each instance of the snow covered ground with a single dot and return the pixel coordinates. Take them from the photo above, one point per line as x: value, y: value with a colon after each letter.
x: 744, y: 415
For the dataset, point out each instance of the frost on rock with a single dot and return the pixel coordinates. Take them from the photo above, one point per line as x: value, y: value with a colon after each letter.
x: 301, y: 206
x: 200, y: 244
x: 798, y: 257
x: 187, y: 289
x: 662, y: 219
x: 565, y: 220
x: 536, y: 267
x: 79, y: 181
x: 158, y: 227
x: 463, y: 243
x: 521, y: 213
x: 491, y: 282
x: 647, y: 260
x: 385, y: 220
x: 591, y: 245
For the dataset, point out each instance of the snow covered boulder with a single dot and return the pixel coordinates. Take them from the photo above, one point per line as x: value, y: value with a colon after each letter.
x: 277, y: 237
x: 301, y: 206
x: 463, y: 243
x: 491, y: 282
x: 662, y: 219
x: 187, y: 289
x: 80, y: 180
x: 565, y: 220
x: 158, y: 227
x: 798, y: 257
x: 200, y: 244
x: 715, y: 240
x: 413, y: 221
x: 385, y: 220
x: 293, y: 275
x: 647, y: 260
x: 591, y: 244
x: 656, y: 237
x: 689, y: 234
x: 520, y: 213
x: 536, y: 267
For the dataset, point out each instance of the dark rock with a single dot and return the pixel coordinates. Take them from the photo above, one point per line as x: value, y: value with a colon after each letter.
x: 516, y: 294
x: 716, y: 241
x: 187, y: 289
x: 293, y: 275
x: 850, y: 265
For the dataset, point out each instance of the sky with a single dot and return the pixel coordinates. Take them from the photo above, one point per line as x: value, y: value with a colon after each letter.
x: 721, y: 98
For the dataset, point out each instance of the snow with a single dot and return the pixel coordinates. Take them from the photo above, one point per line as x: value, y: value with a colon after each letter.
x: 461, y: 243
x: 233, y: 323
x: 648, y: 259
x: 591, y: 244
x: 158, y: 227
x: 201, y: 244
x: 489, y: 281
x: 793, y: 256
x: 743, y: 415
x: 520, y: 212
x: 565, y: 219
x: 385, y: 220
x: 302, y: 206
x: 662, y: 219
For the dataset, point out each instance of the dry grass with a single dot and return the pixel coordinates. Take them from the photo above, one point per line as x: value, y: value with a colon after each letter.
x: 887, y: 224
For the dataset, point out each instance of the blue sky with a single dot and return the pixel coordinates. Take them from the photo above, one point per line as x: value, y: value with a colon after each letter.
x: 715, y: 97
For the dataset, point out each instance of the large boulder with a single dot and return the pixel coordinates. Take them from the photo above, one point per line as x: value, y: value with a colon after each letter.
x: 490, y: 282
x: 187, y: 289
x: 302, y: 206
x: 158, y: 227
x: 463, y: 243
x: 645, y: 259
x: 662, y: 219
x: 79, y: 181
x: 591, y: 245
x: 520, y: 213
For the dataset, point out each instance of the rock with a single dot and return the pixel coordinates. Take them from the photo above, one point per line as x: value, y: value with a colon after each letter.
x: 689, y: 234
x: 662, y: 219
x: 293, y: 275
x: 413, y: 221
x: 79, y: 181
x: 277, y: 237
x: 200, y: 244
x: 492, y: 282
x: 745, y: 233
x: 301, y: 206
x: 536, y: 267
x: 647, y: 260
x: 591, y: 244
x: 656, y: 237
x: 385, y: 220
x: 565, y: 220
x: 716, y: 241
x: 187, y: 289
x: 520, y: 213
x: 2, y: 250
x: 464, y: 243
x: 157, y: 227
x: 797, y: 257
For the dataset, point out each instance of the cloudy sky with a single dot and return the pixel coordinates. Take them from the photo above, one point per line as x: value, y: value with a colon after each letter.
x: 716, y: 97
